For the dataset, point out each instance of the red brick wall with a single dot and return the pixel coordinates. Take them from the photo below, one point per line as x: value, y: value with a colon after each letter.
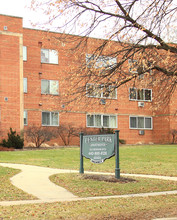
x: 74, y: 112
x: 173, y: 113
x: 13, y: 24
x: 76, y: 115
x: 10, y: 83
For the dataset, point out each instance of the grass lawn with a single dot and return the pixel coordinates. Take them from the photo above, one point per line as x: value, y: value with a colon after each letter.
x: 155, y: 159
x: 79, y: 186
x: 129, y: 209
x: 7, y: 190
x: 145, y: 159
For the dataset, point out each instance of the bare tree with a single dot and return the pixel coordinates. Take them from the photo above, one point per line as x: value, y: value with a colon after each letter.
x: 39, y: 135
x: 136, y: 33
x: 67, y: 132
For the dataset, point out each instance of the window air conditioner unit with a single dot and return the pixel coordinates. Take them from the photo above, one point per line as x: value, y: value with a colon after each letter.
x: 141, y: 132
x: 103, y: 101
x: 140, y: 104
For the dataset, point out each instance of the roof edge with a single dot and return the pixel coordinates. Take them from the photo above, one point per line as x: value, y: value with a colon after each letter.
x: 13, y: 16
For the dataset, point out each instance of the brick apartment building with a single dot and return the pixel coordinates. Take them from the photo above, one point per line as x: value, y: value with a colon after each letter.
x: 33, y: 82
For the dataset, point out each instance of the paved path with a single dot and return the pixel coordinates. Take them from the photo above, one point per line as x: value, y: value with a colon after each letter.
x: 35, y: 180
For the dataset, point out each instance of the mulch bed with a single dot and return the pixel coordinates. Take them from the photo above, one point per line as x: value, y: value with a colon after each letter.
x: 108, y: 178
x: 6, y: 149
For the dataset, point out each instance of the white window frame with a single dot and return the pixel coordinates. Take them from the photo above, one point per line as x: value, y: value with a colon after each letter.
x: 50, y: 84
x: 50, y: 113
x: 100, y: 91
x: 25, y: 85
x: 102, y: 115
x: 144, y: 100
x: 100, y: 61
x: 50, y: 52
x: 137, y: 128
x: 24, y: 53
x: 25, y: 113
x: 131, y: 61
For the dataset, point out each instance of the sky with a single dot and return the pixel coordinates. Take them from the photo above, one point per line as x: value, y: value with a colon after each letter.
x: 18, y: 8
x: 12, y: 7
x: 21, y: 8
x: 31, y: 19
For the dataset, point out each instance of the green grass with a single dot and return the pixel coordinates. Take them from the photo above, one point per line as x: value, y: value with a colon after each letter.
x: 145, y: 159
x: 81, y: 187
x: 7, y: 190
x: 155, y: 159
x: 130, y: 208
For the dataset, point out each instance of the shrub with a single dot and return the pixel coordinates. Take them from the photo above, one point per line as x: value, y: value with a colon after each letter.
x: 67, y: 132
x: 122, y: 141
x: 39, y: 135
x: 13, y: 141
x: 106, y: 130
x: 173, y: 132
x: 110, y: 131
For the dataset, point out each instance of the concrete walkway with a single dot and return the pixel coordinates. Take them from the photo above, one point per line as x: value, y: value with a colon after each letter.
x: 35, y: 180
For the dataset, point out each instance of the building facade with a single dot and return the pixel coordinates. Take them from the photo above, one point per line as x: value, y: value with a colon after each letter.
x: 33, y: 82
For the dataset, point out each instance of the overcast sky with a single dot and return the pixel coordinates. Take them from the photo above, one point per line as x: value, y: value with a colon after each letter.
x: 18, y: 8
x: 12, y: 7
x: 21, y: 8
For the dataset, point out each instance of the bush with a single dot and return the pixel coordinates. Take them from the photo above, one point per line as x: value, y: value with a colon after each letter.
x: 106, y: 131
x: 39, y: 135
x: 122, y: 141
x: 110, y: 131
x: 13, y: 141
x: 173, y: 132
x: 67, y: 132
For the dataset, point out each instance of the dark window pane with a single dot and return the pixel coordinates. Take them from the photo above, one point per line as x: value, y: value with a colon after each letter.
x: 140, y: 122
x: 133, y: 122
x: 105, y: 121
x: 90, y: 120
x: 148, y: 95
x: 133, y: 93
x: 45, y: 118
x: 140, y: 94
x: 148, y: 123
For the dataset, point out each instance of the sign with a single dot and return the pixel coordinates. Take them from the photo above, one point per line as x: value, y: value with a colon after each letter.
x: 98, y: 148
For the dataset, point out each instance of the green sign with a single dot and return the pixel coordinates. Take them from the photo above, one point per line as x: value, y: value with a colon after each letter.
x: 98, y: 148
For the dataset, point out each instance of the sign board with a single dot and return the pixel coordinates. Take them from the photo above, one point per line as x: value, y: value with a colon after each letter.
x: 98, y: 148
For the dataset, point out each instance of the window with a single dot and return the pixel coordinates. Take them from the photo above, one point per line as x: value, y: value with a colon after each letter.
x: 50, y: 118
x: 109, y: 92
x: 140, y: 94
x: 25, y: 85
x: 99, y: 121
x: 49, y: 56
x: 101, y: 91
x: 24, y: 53
x: 100, y: 61
x: 93, y: 90
x: 49, y: 87
x: 138, y: 122
x: 133, y: 66
x: 25, y: 117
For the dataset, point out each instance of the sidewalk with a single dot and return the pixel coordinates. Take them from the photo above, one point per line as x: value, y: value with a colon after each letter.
x: 35, y: 180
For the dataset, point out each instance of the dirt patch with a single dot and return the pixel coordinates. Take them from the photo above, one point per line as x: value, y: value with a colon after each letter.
x: 6, y: 149
x: 107, y: 178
